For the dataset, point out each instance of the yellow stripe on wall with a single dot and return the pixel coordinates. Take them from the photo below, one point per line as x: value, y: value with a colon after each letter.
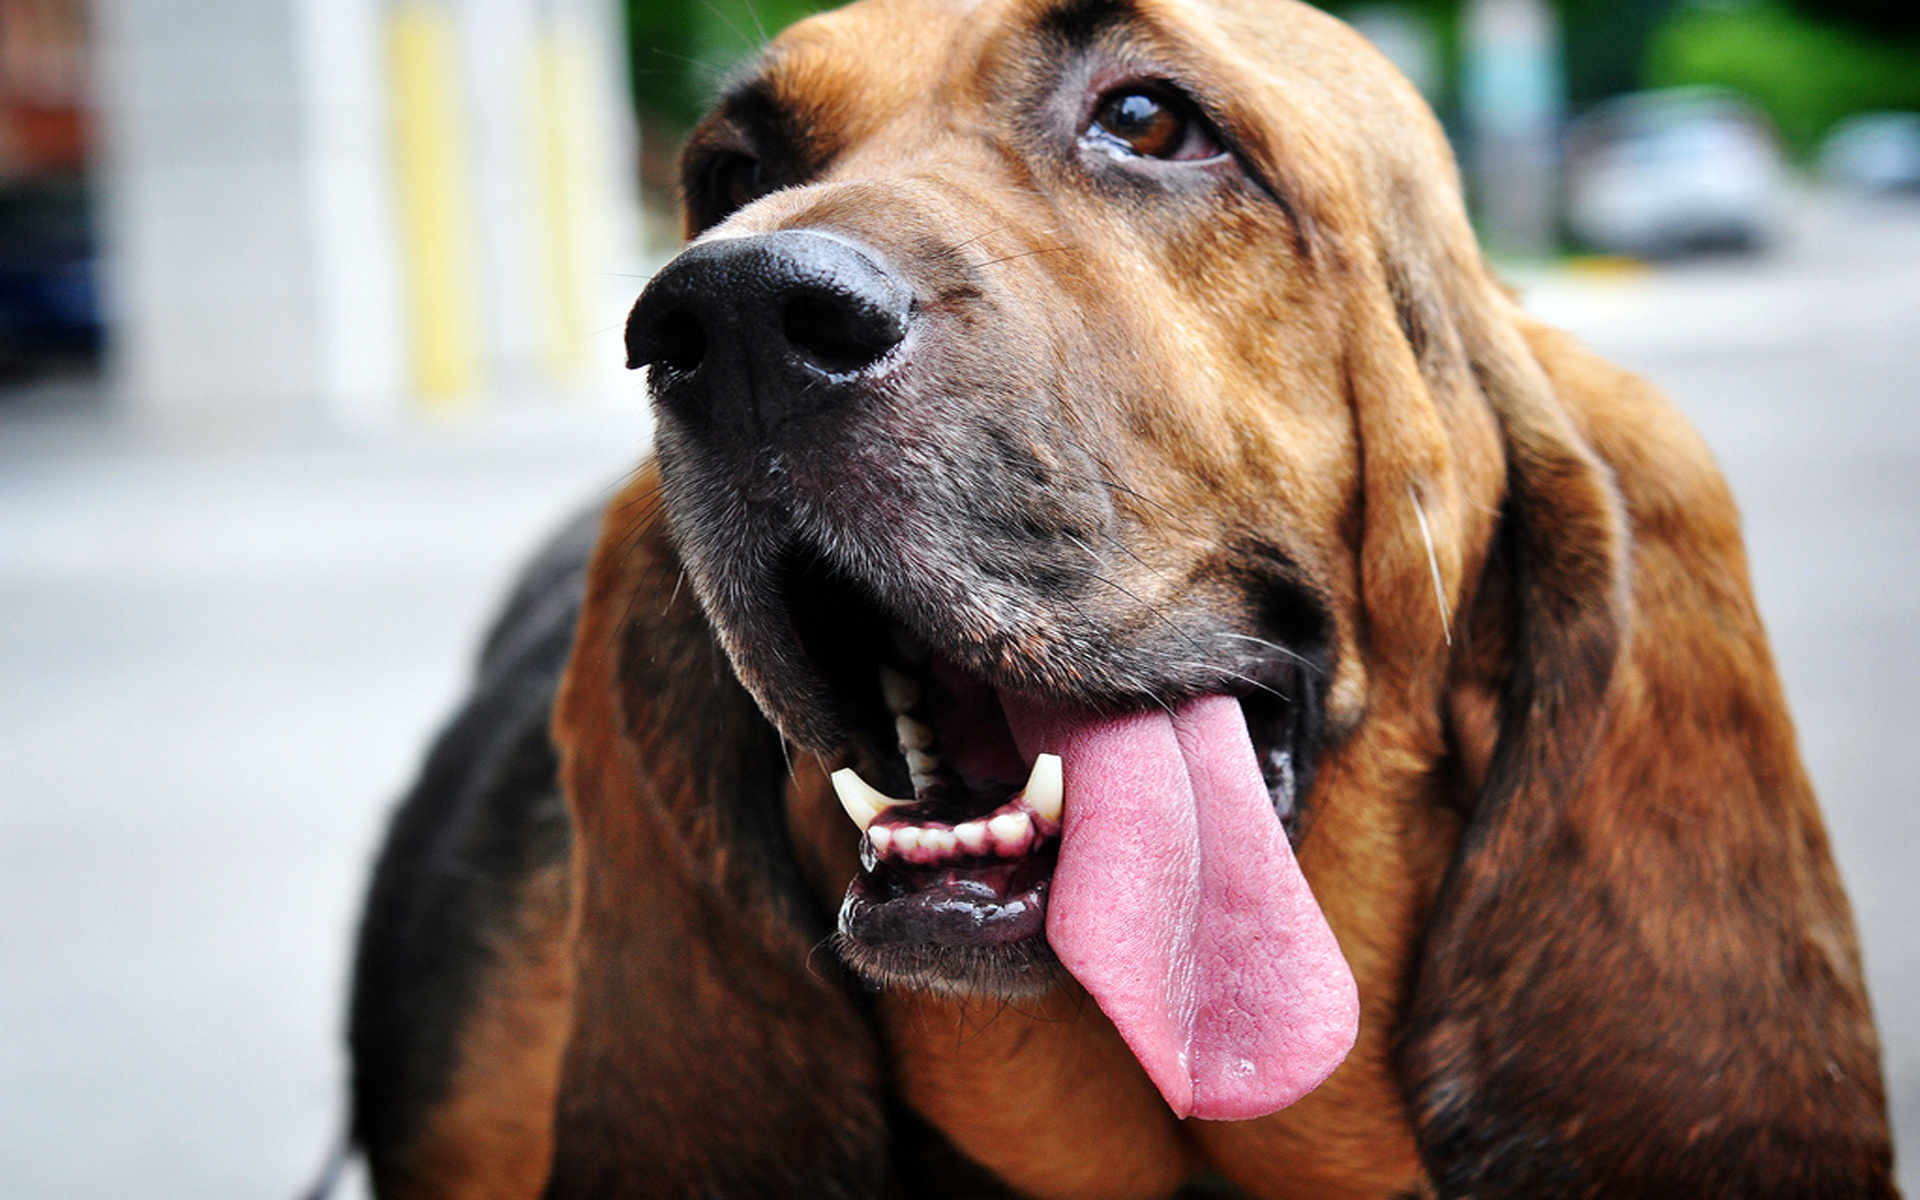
x: 563, y: 122
x: 436, y: 219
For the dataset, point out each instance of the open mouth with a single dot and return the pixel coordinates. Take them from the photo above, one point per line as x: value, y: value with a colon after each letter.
x: 958, y: 863
x: 1009, y: 840
x: 960, y: 827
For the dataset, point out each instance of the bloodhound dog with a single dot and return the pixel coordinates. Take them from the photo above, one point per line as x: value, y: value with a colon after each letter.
x: 1305, y: 726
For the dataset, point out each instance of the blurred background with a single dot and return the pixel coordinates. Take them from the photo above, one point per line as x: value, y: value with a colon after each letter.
x: 310, y: 328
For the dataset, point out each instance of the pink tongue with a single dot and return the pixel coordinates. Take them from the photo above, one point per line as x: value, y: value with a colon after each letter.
x: 1178, y: 905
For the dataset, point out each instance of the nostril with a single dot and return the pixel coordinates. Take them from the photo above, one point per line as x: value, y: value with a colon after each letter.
x: 679, y: 341
x: 838, y: 332
x: 745, y: 333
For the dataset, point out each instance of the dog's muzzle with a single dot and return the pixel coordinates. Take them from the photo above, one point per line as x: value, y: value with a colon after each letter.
x: 897, y: 541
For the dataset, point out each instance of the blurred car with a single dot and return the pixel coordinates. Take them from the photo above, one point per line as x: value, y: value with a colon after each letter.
x: 1664, y: 173
x: 49, y: 303
x: 1874, y: 152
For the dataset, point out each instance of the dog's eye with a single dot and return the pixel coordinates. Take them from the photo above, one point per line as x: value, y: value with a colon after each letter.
x: 735, y: 181
x: 1151, y: 123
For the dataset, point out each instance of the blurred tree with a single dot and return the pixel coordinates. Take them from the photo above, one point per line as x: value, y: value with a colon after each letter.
x: 1888, y: 18
x: 683, y: 51
x: 1807, y: 73
x: 1607, y: 44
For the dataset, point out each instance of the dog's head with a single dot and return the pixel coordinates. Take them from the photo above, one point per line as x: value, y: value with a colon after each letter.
x: 1081, y: 381
x: 1090, y: 426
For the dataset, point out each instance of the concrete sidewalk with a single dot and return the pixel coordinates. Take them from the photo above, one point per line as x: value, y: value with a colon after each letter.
x: 219, y: 665
x: 218, y: 668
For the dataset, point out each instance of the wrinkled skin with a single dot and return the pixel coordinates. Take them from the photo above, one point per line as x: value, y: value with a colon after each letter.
x: 1152, y: 426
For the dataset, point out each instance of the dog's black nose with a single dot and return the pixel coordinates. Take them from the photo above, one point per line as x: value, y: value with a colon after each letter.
x: 753, y: 330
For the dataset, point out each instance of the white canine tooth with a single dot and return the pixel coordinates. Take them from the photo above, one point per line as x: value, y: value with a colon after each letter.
x: 973, y: 836
x: 1046, y: 788
x: 911, y: 733
x: 861, y: 799
x: 1010, y: 832
x: 900, y: 692
x: 919, y: 762
x: 882, y: 838
x: 907, y: 838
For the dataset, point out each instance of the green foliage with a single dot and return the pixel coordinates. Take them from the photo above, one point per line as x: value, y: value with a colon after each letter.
x: 1606, y: 41
x: 684, y: 51
x: 1888, y: 18
x: 1807, y: 74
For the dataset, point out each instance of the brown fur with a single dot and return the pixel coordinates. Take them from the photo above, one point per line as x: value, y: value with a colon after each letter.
x: 489, y: 1139
x: 1560, y: 831
x: 678, y: 945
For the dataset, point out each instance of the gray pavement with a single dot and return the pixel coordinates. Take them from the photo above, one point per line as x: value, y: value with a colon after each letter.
x: 218, y: 663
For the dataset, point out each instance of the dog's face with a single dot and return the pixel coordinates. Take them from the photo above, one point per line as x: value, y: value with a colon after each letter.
x: 1090, y: 426
x: 999, y: 414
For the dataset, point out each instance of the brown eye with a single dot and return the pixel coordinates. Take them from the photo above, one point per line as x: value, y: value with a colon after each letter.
x: 1151, y: 124
x: 735, y: 181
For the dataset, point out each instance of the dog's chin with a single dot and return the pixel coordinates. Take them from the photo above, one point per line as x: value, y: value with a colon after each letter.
x: 959, y: 829
x: 974, y: 949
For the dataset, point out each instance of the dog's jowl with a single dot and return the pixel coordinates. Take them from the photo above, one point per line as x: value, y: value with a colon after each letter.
x: 1133, y: 667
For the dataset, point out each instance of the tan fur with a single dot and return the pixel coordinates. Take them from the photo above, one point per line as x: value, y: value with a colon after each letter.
x: 1574, y: 760
x: 492, y: 1138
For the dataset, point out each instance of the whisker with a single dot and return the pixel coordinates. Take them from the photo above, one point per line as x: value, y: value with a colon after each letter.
x: 976, y: 237
x: 1242, y: 676
x: 1114, y: 485
x: 746, y: 41
x: 1276, y: 647
x: 1153, y: 609
x: 758, y: 25
x: 1025, y: 254
x: 1433, y: 561
x: 816, y: 948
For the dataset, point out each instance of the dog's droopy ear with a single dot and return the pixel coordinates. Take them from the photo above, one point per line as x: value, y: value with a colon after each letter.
x: 710, y: 1053
x: 1639, y: 978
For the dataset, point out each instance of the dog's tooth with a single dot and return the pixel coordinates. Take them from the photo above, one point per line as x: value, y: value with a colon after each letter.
x: 900, y: 692
x: 941, y: 841
x: 911, y: 733
x: 1046, y: 789
x: 919, y: 762
x: 973, y: 837
x: 861, y: 799
x: 906, y: 838
x: 1011, y: 831
x: 881, y: 838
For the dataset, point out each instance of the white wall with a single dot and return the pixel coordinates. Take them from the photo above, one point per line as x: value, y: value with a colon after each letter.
x: 261, y: 267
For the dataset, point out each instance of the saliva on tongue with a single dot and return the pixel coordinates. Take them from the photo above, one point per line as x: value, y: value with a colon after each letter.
x: 1178, y: 905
